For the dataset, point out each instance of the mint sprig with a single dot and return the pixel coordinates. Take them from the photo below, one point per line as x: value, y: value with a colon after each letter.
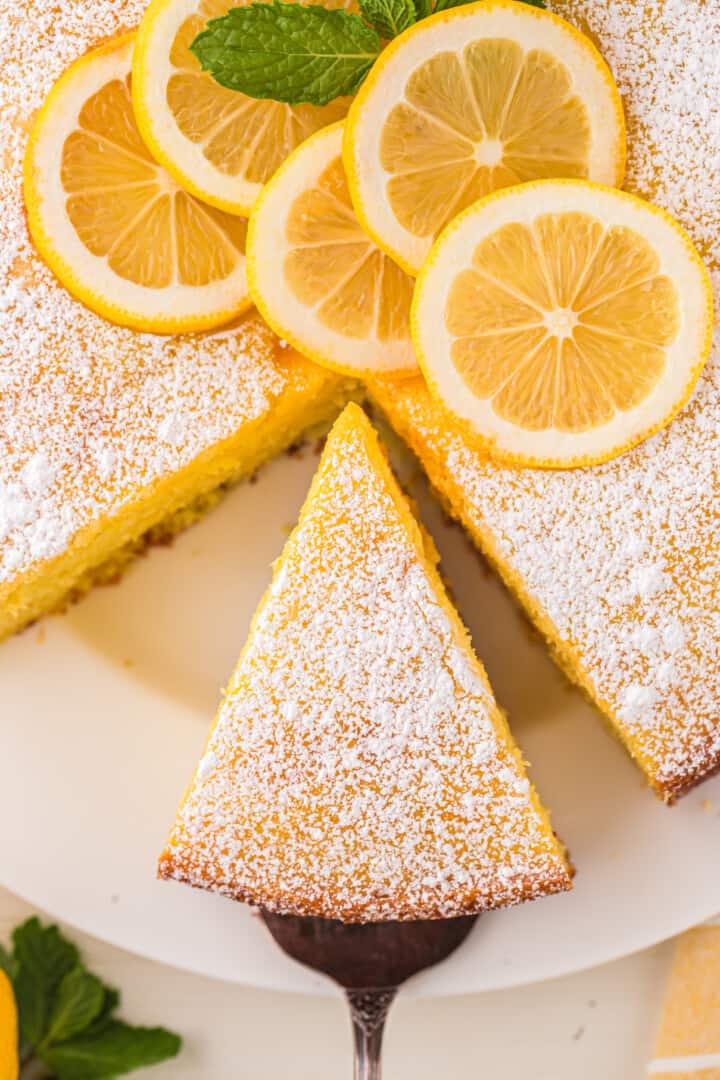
x: 114, y: 1051
x: 66, y: 1014
x: 288, y: 52
x: 389, y: 17
x: 305, y: 54
x: 43, y: 957
x: 79, y: 998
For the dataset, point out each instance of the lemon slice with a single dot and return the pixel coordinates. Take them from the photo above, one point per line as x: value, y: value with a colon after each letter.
x: 469, y: 101
x: 218, y: 144
x: 114, y: 226
x: 317, y: 278
x: 562, y: 322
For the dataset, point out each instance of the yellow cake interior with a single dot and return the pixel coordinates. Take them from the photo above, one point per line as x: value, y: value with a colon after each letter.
x: 308, y: 400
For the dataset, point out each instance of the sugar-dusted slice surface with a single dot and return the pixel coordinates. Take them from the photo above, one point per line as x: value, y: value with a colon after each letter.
x: 359, y: 767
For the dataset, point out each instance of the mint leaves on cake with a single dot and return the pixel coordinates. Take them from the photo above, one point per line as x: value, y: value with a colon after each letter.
x: 305, y: 54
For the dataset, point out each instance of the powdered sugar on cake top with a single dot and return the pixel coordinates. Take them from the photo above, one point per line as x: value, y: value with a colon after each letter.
x: 355, y: 770
x: 623, y: 560
x: 88, y: 411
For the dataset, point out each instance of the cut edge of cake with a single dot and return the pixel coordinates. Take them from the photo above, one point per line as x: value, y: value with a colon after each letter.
x: 453, y: 499
x: 100, y: 552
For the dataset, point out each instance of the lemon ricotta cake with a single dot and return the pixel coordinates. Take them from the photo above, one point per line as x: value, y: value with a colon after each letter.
x: 105, y: 433
x: 358, y: 767
x: 619, y: 565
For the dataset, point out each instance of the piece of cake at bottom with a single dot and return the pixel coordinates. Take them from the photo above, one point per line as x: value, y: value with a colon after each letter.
x: 359, y: 767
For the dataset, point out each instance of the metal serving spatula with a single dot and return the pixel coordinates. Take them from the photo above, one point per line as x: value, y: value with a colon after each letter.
x: 370, y: 962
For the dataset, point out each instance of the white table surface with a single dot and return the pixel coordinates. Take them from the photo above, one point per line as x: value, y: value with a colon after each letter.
x: 596, y: 1025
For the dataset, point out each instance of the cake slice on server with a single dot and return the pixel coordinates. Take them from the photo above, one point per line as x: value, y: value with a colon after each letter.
x: 359, y: 767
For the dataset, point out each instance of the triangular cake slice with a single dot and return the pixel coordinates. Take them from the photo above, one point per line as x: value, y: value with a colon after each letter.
x: 359, y: 767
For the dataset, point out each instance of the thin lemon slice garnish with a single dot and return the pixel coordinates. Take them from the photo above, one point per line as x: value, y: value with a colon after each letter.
x: 218, y: 144
x: 317, y: 278
x: 472, y: 100
x: 562, y: 322
x: 112, y: 224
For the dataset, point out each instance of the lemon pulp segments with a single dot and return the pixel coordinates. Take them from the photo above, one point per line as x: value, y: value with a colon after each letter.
x: 128, y: 212
x: 479, y: 120
x: 333, y: 264
x: 469, y: 101
x: 317, y: 277
x: 117, y: 230
x: 563, y: 322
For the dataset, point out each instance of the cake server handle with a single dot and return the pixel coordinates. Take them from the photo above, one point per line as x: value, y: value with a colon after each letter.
x: 368, y: 1011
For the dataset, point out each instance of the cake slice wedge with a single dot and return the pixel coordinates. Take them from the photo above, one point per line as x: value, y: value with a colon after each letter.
x: 359, y: 767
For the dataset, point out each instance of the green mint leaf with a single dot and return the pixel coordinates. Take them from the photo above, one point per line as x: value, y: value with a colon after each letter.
x: 389, y: 17
x: 42, y: 957
x: 111, y: 1000
x: 79, y: 999
x: 423, y: 8
x: 114, y: 1051
x: 444, y: 5
x: 7, y: 963
x: 288, y: 52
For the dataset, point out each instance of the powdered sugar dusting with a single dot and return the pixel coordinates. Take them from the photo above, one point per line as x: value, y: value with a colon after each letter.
x: 90, y: 412
x: 355, y: 770
x: 623, y: 560
x: 665, y: 58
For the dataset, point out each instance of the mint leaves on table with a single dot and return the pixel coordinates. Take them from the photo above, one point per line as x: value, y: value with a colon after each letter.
x: 43, y: 957
x: 300, y: 53
x: 65, y: 1013
x: 116, y: 1048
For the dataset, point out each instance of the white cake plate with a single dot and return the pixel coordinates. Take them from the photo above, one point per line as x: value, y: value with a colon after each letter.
x: 105, y: 710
